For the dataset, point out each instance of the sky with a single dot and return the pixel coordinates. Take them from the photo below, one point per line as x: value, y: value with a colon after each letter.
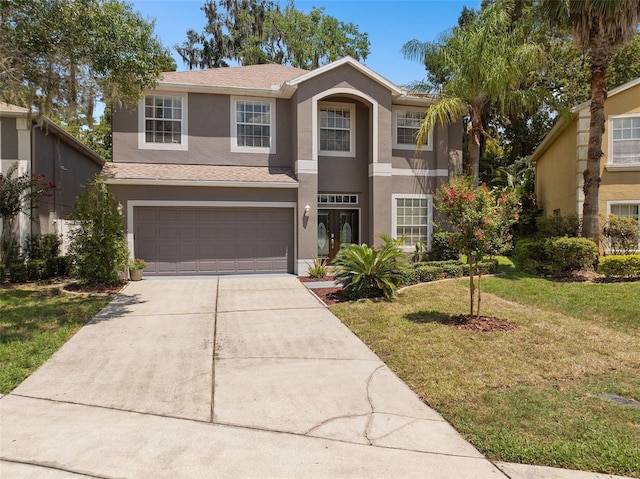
x: 389, y: 24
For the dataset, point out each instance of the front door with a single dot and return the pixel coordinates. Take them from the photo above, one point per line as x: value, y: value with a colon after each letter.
x: 334, y: 228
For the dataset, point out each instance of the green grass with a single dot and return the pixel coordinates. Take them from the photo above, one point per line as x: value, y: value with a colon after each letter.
x: 530, y: 395
x: 34, y: 323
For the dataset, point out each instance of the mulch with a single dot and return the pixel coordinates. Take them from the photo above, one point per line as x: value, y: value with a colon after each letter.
x: 484, y: 324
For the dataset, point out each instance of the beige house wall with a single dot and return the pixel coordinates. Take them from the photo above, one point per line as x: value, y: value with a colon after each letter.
x: 556, y: 174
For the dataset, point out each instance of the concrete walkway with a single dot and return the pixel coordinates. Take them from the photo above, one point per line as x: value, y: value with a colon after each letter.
x: 227, y: 377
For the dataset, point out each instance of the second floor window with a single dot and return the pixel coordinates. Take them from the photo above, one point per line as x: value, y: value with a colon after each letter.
x: 253, y: 123
x: 626, y: 140
x: 337, y: 132
x: 163, y: 119
x: 406, y: 125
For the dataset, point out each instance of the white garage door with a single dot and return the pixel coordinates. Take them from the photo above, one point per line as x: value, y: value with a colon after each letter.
x: 214, y: 240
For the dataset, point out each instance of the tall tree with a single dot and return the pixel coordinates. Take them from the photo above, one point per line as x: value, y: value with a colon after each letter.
x: 599, y: 27
x: 481, y: 66
x: 259, y: 31
x: 61, y: 56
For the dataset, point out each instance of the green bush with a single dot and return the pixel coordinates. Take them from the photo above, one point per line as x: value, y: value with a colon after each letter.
x: 620, y: 265
x: 17, y: 271
x: 366, y: 272
x: 98, y: 246
x: 318, y: 269
x: 36, y: 269
x: 530, y: 254
x: 571, y: 254
x: 621, y: 234
x: 43, y: 246
x: 58, y: 266
x: 558, y: 226
x: 426, y: 272
x: 442, y: 249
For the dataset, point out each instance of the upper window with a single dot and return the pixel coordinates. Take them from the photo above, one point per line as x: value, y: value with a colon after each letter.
x: 625, y: 143
x: 406, y: 124
x: 163, y: 122
x: 337, y: 129
x: 411, y: 219
x: 253, y: 125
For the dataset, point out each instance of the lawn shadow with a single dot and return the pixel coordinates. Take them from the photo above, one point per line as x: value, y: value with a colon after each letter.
x: 423, y: 317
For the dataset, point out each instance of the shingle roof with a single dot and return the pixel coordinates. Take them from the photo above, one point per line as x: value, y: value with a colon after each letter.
x: 150, y: 173
x: 250, y: 76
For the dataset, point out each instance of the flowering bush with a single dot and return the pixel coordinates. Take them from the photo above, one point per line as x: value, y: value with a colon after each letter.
x: 481, y: 221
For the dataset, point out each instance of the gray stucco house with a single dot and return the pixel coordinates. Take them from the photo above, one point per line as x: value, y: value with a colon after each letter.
x: 48, y: 150
x: 264, y: 168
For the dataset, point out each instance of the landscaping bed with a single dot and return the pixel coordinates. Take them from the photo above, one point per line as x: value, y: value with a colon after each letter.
x: 532, y: 393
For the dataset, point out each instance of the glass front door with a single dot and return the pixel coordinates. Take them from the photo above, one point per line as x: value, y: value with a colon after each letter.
x: 334, y: 228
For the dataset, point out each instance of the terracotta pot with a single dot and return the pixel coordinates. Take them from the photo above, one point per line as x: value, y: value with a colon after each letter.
x: 135, y: 274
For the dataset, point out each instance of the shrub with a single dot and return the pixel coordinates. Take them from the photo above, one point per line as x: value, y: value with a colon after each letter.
x: 17, y: 271
x: 36, y: 269
x: 620, y: 265
x: 58, y: 266
x: 43, y: 246
x: 442, y: 248
x: 426, y: 272
x: 571, y: 254
x: 558, y: 226
x: 98, y: 247
x: 366, y: 272
x: 530, y: 254
x: 421, y: 252
x: 318, y: 269
x: 621, y: 234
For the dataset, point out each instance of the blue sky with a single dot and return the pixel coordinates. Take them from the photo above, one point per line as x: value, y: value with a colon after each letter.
x: 389, y: 23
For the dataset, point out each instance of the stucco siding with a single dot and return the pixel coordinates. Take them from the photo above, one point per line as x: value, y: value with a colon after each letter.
x: 556, y: 174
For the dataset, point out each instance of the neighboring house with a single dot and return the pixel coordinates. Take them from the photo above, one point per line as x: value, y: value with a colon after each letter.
x: 50, y: 151
x: 562, y: 157
x: 264, y: 168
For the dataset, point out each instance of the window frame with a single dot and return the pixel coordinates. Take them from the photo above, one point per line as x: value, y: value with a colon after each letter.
x: 352, y: 130
x: 235, y: 148
x: 611, y: 165
x: 405, y: 146
x: 394, y: 217
x: 611, y: 203
x: 143, y: 144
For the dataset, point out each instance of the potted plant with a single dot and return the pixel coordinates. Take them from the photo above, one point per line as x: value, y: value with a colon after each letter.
x: 135, y: 269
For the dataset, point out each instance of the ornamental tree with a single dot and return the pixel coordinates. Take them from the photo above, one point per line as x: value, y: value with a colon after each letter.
x: 18, y: 194
x: 481, y: 220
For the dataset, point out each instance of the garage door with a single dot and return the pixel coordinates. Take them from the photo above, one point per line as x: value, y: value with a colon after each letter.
x: 214, y: 240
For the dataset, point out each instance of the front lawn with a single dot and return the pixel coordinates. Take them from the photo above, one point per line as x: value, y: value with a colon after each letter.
x: 531, y: 395
x: 35, y: 322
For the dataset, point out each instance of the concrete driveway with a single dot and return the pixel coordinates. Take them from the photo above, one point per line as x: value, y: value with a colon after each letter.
x: 225, y: 377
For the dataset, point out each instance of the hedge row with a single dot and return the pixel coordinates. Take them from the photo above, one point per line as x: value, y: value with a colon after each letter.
x: 620, y: 266
x: 558, y: 256
x: 36, y: 269
x: 426, y: 272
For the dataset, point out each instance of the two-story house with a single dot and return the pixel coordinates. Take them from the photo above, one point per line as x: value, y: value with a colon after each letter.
x: 48, y: 150
x: 561, y: 158
x: 264, y: 168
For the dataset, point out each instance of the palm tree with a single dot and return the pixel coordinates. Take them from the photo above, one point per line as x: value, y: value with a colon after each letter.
x: 599, y: 27
x: 483, y: 63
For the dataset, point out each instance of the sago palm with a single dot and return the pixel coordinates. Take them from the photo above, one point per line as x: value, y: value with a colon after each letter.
x: 486, y: 62
x: 599, y: 27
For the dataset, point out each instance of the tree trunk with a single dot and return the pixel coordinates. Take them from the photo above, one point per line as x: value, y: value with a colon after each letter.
x: 474, y: 146
x: 479, y: 292
x: 471, y: 284
x: 599, y: 63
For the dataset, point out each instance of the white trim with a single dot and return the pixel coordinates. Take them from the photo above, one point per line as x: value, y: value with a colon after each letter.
x: 352, y: 129
x: 184, y: 136
x: 380, y: 169
x: 307, y: 167
x: 401, y: 146
x: 620, y: 202
x: 356, y: 65
x: 394, y: 216
x: 131, y: 204
x: 437, y: 173
x: 338, y: 91
x: 611, y: 166
x: 234, y: 128
x: 204, y: 183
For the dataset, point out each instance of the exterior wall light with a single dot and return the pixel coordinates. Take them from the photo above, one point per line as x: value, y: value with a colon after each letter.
x: 307, y: 209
